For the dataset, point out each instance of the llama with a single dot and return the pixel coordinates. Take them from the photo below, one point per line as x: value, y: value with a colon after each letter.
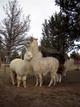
x: 21, y: 68
x: 70, y: 65
x: 41, y: 66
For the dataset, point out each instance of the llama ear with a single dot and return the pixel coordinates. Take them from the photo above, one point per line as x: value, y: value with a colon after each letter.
x: 31, y: 39
x: 36, y: 39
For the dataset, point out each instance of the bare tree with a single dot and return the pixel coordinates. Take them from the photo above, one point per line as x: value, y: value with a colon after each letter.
x: 14, y: 27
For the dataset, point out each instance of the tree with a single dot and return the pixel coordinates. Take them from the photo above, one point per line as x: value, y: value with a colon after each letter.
x: 1, y: 45
x: 15, y: 55
x: 45, y: 32
x: 55, y: 34
x: 14, y: 28
x: 71, y: 8
x: 62, y: 29
x: 2, y: 52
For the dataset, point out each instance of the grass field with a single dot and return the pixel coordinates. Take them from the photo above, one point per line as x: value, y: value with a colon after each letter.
x: 66, y: 94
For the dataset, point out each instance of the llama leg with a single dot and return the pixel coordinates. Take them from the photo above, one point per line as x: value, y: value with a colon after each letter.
x: 36, y: 80
x: 24, y: 81
x: 58, y: 78
x: 65, y: 72
x: 52, y: 79
x: 18, y: 80
x: 12, y: 77
x: 40, y: 79
x: 18, y: 83
x: 50, y: 82
x: 24, y: 84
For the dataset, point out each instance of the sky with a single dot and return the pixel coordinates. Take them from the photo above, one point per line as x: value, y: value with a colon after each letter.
x: 39, y: 10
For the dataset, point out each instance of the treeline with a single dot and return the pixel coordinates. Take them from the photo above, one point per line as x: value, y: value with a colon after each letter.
x: 59, y: 32
x: 62, y: 29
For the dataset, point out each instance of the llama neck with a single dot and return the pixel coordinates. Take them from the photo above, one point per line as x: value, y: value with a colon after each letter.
x: 34, y: 47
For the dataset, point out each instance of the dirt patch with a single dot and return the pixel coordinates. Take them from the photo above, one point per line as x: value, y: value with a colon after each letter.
x: 62, y: 95
x: 66, y: 94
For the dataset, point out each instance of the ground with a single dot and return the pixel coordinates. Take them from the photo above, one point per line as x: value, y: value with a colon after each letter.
x: 66, y: 94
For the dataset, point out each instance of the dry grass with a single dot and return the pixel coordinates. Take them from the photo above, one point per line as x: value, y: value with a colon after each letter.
x: 66, y: 94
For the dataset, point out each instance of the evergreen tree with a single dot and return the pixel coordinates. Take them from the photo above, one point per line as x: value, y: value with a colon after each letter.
x: 62, y: 29
x: 71, y: 8
x: 55, y: 33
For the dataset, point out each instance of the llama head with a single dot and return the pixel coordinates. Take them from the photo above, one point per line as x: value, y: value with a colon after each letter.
x: 28, y: 55
x: 32, y: 44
